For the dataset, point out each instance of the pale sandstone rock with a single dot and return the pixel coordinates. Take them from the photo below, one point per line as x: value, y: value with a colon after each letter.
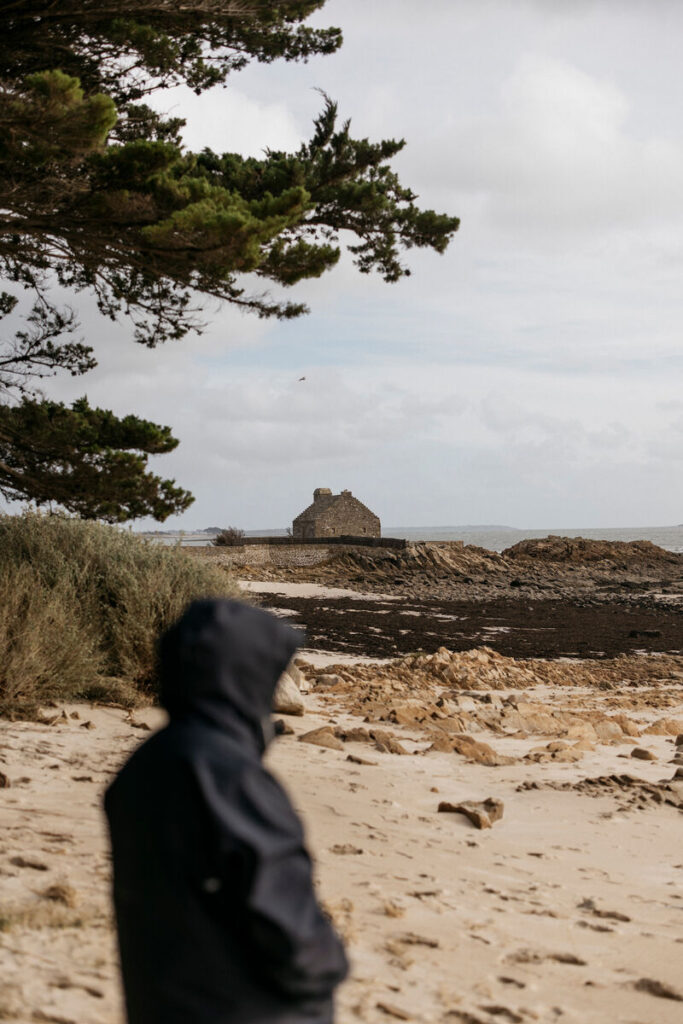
x: 322, y: 737
x: 329, y: 679
x: 473, y: 750
x: 607, y: 730
x: 287, y: 699
x: 629, y: 727
x: 481, y: 813
x: 386, y: 743
x: 665, y: 727
x: 297, y: 675
x: 582, y: 731
x: 568, y: 756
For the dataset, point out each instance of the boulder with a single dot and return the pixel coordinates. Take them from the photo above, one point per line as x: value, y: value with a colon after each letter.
x: 287, y: 700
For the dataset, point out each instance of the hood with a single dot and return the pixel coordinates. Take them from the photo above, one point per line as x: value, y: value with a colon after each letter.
x: 222, y: 661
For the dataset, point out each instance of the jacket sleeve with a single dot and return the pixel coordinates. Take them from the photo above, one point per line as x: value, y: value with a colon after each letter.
x: 284, y: 930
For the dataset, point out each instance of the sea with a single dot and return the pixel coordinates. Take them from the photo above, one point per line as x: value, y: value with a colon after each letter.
x: 495, y: 538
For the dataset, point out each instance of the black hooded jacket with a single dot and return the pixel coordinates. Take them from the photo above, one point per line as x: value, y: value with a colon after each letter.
x: 217, y: 918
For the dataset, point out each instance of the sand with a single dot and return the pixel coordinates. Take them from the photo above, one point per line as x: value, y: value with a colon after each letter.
x: 569, y: 908
x: 289, y: 589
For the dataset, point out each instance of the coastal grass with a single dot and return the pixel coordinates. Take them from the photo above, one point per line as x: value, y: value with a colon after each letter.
x: 82, y: 606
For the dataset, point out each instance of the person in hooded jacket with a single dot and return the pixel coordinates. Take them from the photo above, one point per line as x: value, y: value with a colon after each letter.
x: 217, y: 917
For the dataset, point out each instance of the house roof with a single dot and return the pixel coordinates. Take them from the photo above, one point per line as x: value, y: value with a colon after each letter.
x: 326, y: 501
x: 318, y: 506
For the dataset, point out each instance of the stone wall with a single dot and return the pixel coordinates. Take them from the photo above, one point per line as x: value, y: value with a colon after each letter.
x: 289, y: 555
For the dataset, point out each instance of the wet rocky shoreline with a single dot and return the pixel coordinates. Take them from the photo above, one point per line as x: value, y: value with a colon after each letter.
x: 550, y: 599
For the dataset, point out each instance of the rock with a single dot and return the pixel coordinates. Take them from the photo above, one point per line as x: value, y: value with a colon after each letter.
x: 328, y: 679
x: 322, y: 737
x: 568, y: 756
x: 678, y: 774
x: 582, y: 731
x: 4, y: 781
x: 459, y: 703
x: 665, y: 727
x: 287, y: 700
x: 607, y: 730
x: 630, y: 728
x: 359, y: 760
x: 386, y: 743
x: 657, y: 988
x: 28, y: 862
x: 482, y: 814
x: 643, y: 754
x: 282, y: 728
x: 679, y: 740
x: 409, y: 713
x: 539, y: 721
x: 473, y: 750
x: 87, y: 725
x: 393, y: 1011
x: 345, y: 848
x: 296, y: 675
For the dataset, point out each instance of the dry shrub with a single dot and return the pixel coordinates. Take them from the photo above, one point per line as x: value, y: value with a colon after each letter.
x: 230, y: 537
x: 82, y: 606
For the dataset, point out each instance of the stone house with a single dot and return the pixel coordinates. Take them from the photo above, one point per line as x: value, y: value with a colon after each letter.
x: 336, y: 515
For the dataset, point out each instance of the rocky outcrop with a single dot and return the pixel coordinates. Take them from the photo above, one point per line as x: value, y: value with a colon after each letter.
x: 580, y: 551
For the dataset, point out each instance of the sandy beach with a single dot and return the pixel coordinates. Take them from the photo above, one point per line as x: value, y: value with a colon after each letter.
x: 570, y: 907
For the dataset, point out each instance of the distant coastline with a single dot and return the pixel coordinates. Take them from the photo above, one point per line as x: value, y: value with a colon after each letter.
x: 494, y: 538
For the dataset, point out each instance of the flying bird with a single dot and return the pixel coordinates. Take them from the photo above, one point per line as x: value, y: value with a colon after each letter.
x: 301, y: 378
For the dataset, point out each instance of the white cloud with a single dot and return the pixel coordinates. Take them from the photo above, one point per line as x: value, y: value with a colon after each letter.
x: 557, y: 156
x: 228, y: 121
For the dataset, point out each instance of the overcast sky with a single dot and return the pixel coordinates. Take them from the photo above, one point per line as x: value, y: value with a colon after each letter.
x: 532, y: 375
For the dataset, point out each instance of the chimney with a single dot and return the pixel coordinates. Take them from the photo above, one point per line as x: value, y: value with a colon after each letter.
x: 321, y: 492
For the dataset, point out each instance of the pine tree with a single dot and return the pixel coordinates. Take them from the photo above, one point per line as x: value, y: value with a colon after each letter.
x: 98, y: 194
x: 86, y: 460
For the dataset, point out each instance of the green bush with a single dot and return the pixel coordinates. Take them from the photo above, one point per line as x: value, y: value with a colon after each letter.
x: 82, y: 606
